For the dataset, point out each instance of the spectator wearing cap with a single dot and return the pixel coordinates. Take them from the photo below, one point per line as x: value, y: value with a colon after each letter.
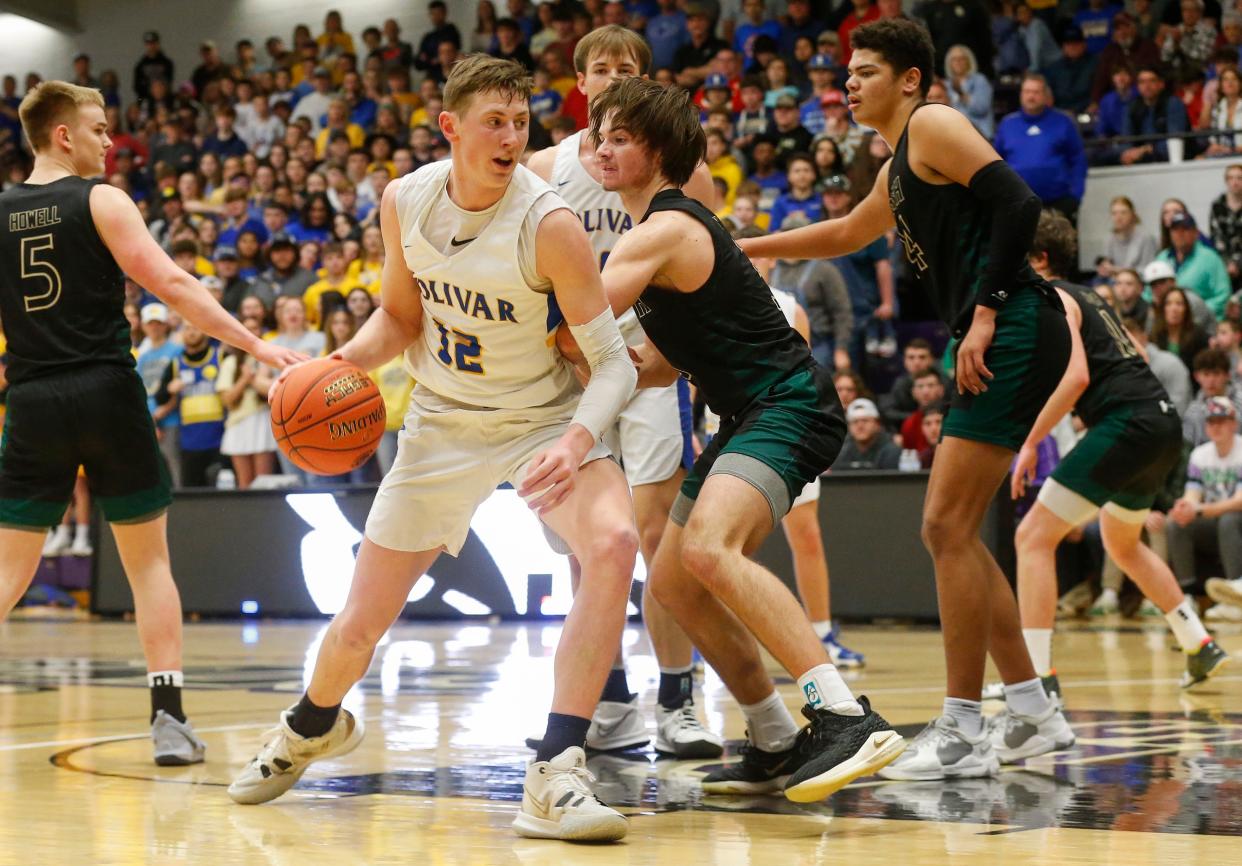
x: 787, y: 132
x: 1160, y: 278
x: 156, y: 353
x: 823, y: 74
x: 868, y: 272
x: 1044, y: 147
x: 800, y: 197
x: 285, y: 277
x: 800, y: 21
x: 755, y: 23
x: 154, y: 64
x: 1208, y: 517
x: 828, y: 42
x: 693, y: 60
x: 868, y: 446
x: 210, y: 69
x: 666, y: 32
x: 234, y: 286
x: 171, y: 213
x: 314, y: 105
x: 965, y: 22
x: 820, y: 288
x: 1192, y: 41
x: 837, y: 126
x: 1071, y: 77
x: 1125, y: 48
x: 864, y: 12
x: 1154, y: 112
x: 716, y: 94
x: 969, y: 91
x: 1199, y: 268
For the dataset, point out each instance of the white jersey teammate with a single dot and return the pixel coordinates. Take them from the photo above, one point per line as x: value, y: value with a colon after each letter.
x: 652, y: 434
x: 478, y: 252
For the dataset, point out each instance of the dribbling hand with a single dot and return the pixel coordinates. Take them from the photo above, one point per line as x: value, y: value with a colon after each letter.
x: 298, y: 359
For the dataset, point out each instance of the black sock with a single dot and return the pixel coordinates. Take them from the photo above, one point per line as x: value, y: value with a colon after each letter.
x: 564, y: 732
x: 309, y: 720
x: 616, y: 689
x: 676, y: 688
x: 167, y: 697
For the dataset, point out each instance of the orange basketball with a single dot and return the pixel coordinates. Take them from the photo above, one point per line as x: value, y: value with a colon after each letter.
x: 328, y: 416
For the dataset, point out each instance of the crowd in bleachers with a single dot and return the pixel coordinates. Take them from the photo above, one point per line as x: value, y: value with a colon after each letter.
x: 259, y: 167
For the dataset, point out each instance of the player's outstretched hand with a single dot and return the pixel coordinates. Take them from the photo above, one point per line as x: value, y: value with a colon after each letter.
x: 298, y: 359
x: 971, y: 371
x: 551, y: 474
x: 1023, y: 471
x: 278, y: 356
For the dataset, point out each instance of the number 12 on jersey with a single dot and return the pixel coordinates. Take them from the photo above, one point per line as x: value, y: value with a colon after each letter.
x: 459, y: 350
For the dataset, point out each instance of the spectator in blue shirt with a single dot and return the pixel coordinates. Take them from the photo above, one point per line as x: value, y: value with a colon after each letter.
x: 801, y: 21
x: 1155, y: 112
x: 1115, y: 103
x: 1044, y: 147
x: 823, y: 74
x: 801, y: 197
x: 756, y: 24
x: 1096, y: 23
x: 666, y: 32
x: 224, y: 142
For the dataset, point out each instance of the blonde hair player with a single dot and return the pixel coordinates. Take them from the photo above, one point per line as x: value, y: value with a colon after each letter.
x: 651, y: 437
x: 75, y: 398
x: 478, y: 249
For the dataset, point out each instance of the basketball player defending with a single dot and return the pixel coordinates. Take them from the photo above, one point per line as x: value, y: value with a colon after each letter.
x: 74, y: 397
x: 479, y: 252
x: 704, y: 307
x: 649, y: 437
x: 1133, y: 441
x: 965, y: 219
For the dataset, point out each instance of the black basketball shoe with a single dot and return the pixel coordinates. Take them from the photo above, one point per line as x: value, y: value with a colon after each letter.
x: 838, y: 749
x: 758, y: 772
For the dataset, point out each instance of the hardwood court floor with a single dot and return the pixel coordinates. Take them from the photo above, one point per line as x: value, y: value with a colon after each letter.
x: 1155, y: 779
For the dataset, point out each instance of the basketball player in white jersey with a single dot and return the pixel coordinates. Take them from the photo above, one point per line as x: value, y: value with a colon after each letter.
x: 649, y: 437
x: 479, y: 252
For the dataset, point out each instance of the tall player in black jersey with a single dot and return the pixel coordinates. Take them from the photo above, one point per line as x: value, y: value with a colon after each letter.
x: 1133, y: 441
x: 965, y: 219
x: 704, y: 307
x: 75, y: 397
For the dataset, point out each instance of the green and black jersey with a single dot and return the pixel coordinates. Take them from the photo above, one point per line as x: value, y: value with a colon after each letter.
x: 61, y: 292
x: 728, y: 335
x: 1119, y: 375
x: 946, y: 232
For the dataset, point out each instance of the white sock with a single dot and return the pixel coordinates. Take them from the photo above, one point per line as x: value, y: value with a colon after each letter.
x: 61, y: 532
x: 1027, y: 698
x: 82, y: 532
x: 822, y: 628
x: 771, y: 726
x: 823, y: 687
x: 164, y: 678
x: 967, y: 714
x: 1039, y: 645
x: 1107, y: 596
x: 1187, y: 627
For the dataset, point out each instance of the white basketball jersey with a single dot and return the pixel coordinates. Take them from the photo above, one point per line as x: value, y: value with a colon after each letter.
x: 789, y: 306
x: 603, y: 215
x: 485, y: 339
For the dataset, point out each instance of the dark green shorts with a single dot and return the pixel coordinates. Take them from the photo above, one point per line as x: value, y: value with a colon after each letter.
x: 1028, y: 356
x: 94, y: 417
x: 785, y: 438
x: 1126, y: 457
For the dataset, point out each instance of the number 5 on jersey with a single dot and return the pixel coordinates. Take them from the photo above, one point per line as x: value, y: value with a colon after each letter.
x: 39, y: 269
x: 465, y: 352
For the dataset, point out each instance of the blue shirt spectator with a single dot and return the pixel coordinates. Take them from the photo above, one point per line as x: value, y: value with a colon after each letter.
x: 1096, y: 23
x: 787, y: 203
x: 1112, y: 114
x: 1043, y: 146
x: 747, y: 30
x: 666, y: 32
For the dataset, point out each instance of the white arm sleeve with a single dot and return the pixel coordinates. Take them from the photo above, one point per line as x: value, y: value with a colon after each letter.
x: 613, y: 376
